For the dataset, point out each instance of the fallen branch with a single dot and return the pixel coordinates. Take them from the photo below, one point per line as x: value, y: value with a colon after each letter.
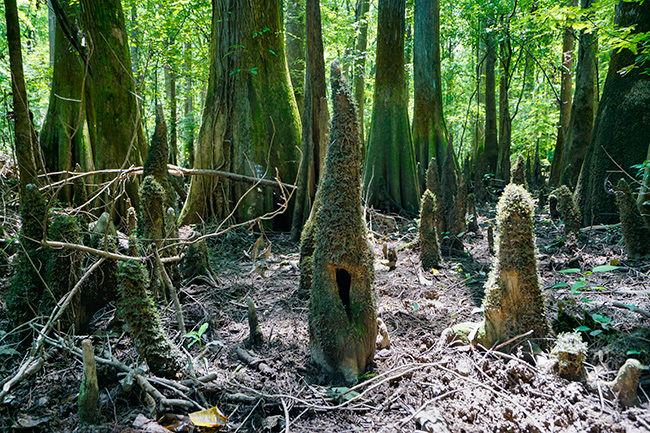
x: 174, y: 170
x: 634, y: 309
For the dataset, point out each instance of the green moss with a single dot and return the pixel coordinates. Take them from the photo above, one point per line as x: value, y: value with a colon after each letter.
x: 429, y: 246
x: 635, y: 233
x: 138, y: 308
x: 151, y: 221
x: 513, y: 302
x: 342, y: 317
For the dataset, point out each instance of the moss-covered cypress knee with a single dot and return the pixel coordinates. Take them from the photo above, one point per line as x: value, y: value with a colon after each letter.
x: 518, y: 172
x: 342, y: 317
x: 569, y: 211
x: 63, y: 268
x: 139, y: 310
x: 513, y: 302
x: 429, y: 246
x: 635, y: 233
x: 27, y: 286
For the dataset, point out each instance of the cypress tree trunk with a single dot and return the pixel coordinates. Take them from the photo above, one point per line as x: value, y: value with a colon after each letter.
x: 64, y: 135
x: 170, y: 81
x: 23, y: 127
x: 584, y: 106
x: 429, y: 130
x: 189, y: 104
x: 113, y: 112
x: 621, y: 127
x: 389, y: 177
x: 488, y: 159
x: 250, y: 120
x: 359, y: 71
x: 295, y: 41
x: 315, y: 121
x: 566, y: 92
x: 505, y: 121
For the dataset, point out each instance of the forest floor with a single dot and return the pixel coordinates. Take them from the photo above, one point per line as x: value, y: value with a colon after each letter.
x: 418, y: 383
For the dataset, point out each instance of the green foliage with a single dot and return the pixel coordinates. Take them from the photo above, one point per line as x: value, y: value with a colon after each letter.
x: 197, y: 336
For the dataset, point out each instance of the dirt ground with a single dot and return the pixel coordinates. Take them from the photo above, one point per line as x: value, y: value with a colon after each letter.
x: 417, y: 384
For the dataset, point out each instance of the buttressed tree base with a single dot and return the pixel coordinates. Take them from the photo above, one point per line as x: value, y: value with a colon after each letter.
x: 342, y: 317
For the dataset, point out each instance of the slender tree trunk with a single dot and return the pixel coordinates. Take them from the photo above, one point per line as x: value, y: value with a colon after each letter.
x: 429, y: 130
x: 295, y: 41
x: 620, y: 134
x: 117, y: 139
x: 23, y: 126
x: 170, y: 81
x: 390, y: 178
x: 489, y: 157
x: 359, y: 71
x: 583, y: 110
x: 505, y: 121
x: 566, y: 92
x: 315, y: 121
x: 189, y: 125
x: 64, y: 135
x: 135, y: 44
x: 250, y: 121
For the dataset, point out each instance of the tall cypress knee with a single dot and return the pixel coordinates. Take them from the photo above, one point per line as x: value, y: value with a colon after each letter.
x: 514, y: 303
x: 342, y: 317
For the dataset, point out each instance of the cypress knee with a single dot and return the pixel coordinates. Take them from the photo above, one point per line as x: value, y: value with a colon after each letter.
x: 513, y: 302
x: 342, y: 317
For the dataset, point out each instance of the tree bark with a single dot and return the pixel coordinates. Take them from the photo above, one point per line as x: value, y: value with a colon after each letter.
x: 621, y: 127
x: 295, y: 41
x: 429, y: 129
x: 315, y: 121
x: 505, y: 121
x: 23, y: 126
x: 189, y: 105
x: 490, y: 155
x: 113, y: 112
x: 390, y: 178
x: 250, y: 120
x: 170, y: 81
x: 359, y: 70
x: 566, y: 92
x: 584, y: 106
x: 64, y: 135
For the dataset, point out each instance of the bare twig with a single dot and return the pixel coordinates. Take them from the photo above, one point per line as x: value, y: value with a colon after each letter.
x: 634, y: 309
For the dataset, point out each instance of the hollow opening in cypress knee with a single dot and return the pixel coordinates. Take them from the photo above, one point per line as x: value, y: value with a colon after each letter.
x: 343, y: 282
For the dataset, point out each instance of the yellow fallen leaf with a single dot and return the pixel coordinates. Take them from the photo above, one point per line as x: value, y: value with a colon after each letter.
x: 614, y: 262
x: 208, y: 418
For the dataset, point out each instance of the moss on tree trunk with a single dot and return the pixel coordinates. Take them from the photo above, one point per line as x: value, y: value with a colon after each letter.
x: 429, y: 129
x: 621, y: 128
x: 583, y: 110
x: 64, y: 135
x: 250, y: 121
x: 389, y: 177
x: 113, y: 112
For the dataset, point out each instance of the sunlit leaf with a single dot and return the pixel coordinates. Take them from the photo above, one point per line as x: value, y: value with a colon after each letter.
x: 208, y: 418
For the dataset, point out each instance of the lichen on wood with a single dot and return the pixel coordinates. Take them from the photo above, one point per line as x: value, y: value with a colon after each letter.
x: 514, y: 303
x: 342, y: 317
